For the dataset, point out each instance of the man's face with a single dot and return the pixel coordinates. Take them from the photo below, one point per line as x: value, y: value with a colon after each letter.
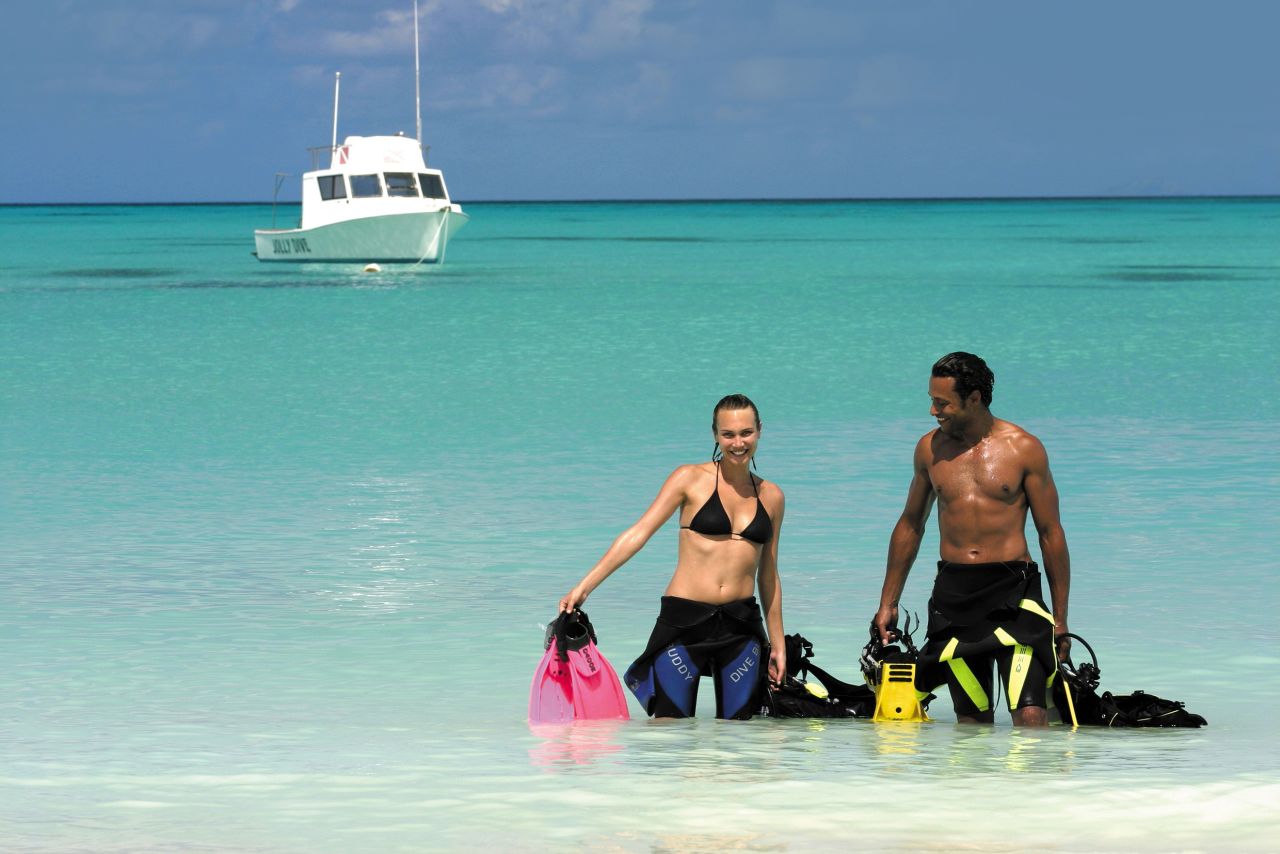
x: 946, y: 407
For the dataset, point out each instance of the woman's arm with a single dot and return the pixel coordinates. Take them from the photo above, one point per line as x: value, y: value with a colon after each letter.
x: 630, y: 541
x: 771, y: 597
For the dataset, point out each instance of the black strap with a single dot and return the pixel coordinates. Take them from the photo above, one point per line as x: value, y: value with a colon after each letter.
x: 561, y: 632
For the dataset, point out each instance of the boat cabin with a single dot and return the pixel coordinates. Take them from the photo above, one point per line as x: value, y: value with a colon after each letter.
x: 376, y: 185
x: 371, y: 176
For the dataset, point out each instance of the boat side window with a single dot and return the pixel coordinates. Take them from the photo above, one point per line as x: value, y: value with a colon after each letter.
x: 402, y: 184
x: 366, y: 186
x: 332, y: 187
x: 432, y: 186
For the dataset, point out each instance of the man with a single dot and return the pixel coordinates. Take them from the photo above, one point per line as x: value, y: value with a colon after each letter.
x: 986, y: 608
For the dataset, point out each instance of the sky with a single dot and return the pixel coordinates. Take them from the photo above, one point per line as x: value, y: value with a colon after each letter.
x: 206, y: 100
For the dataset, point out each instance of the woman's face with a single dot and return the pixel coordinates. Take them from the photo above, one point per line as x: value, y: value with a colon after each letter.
x: 737, y: 433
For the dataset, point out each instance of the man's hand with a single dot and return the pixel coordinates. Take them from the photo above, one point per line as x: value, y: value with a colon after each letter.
x: 885, y: 620
x: 1062, y: 643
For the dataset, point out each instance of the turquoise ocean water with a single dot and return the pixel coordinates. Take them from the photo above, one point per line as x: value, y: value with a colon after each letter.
x: 278, y: 543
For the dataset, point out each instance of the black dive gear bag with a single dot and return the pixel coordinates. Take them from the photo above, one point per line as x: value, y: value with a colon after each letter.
x: 1138, y: 709
x: 797, y: 697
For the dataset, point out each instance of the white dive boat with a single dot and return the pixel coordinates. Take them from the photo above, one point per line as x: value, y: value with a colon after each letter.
x: 378, y: 202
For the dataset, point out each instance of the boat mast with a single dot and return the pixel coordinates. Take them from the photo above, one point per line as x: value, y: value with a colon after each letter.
x: 417, y: 74
x: 337, y: 81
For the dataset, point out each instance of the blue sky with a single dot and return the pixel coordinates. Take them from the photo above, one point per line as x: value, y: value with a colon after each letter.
x: 197, y: 100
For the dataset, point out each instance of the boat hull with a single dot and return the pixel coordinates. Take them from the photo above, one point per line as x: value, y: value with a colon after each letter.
x: 410, y: 237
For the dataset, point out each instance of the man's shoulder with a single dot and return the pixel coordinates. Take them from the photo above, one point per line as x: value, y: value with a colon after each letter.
x: 1009, y: 430
x: 926, y: 449
x: 927, y: 441
x: 1020, y: 440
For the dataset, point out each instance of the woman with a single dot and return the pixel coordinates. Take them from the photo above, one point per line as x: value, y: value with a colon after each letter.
x: 730, y: 520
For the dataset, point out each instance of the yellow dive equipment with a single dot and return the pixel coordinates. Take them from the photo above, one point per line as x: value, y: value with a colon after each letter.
x: 1071, y: 705
x: 896, y: 697
x: 890, y: 671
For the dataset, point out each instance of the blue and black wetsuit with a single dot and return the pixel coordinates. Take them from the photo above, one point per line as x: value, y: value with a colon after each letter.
x: 694, y: 638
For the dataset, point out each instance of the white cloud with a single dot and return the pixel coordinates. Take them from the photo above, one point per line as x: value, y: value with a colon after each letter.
x: 775, y: 78
x: 392, y: 31
x: 533, y: 88
x: 140, y: 32
x: 501, y: 7
x: 583, y: 28
x: 615, y: 24
x: 308, y: 74
x: 763, y: 79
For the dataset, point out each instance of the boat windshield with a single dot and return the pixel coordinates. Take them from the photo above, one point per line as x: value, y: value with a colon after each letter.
x: 402, y: 184
x: 366, y: 186
x: 332, y: 187
x: 432, y: 186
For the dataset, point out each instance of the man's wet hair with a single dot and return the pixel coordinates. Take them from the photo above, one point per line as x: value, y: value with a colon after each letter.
x: 969, y: 372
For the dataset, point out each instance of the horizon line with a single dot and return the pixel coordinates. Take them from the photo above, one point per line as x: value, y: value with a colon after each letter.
x: 711, y: 200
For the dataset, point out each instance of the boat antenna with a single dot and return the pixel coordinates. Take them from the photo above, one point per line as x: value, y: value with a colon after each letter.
x: 337, y: 81
x: 417, y: 74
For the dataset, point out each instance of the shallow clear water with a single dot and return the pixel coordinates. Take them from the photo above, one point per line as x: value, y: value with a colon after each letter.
x: 278, y: 542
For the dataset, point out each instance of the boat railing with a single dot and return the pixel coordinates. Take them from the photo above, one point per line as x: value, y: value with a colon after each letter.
x: 319, y: 151
x: 275, y: 196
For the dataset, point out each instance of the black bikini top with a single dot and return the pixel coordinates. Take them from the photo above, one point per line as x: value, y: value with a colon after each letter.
x: 712, y: 519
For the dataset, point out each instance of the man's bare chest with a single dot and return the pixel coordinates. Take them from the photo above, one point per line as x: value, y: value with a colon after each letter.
x: 977, y: 474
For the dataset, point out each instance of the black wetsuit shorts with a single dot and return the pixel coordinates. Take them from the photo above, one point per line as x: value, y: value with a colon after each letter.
x: 985, y: 618
x: 1023, y: 680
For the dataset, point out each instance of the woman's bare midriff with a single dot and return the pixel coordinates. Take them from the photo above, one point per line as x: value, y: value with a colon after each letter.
x: 714, y: 570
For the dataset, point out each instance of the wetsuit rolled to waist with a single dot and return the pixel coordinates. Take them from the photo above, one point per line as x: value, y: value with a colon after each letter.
x: 691, y: 639
x: 985, y: 612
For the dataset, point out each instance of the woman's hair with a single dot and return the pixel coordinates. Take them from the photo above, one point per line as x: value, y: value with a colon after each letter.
x: 970, y: 374
x: 734, y: 401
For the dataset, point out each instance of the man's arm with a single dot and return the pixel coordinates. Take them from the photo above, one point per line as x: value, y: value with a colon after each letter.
x: 904, y: 542
x: 1042, y: 498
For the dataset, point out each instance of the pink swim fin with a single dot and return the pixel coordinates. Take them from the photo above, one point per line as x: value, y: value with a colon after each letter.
x: 575, y: 681
x: 551, y: 695
x: 597, y: 693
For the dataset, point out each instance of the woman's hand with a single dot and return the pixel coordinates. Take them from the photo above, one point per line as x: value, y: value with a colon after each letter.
x: 573, y: 600
x: 777, y: 664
